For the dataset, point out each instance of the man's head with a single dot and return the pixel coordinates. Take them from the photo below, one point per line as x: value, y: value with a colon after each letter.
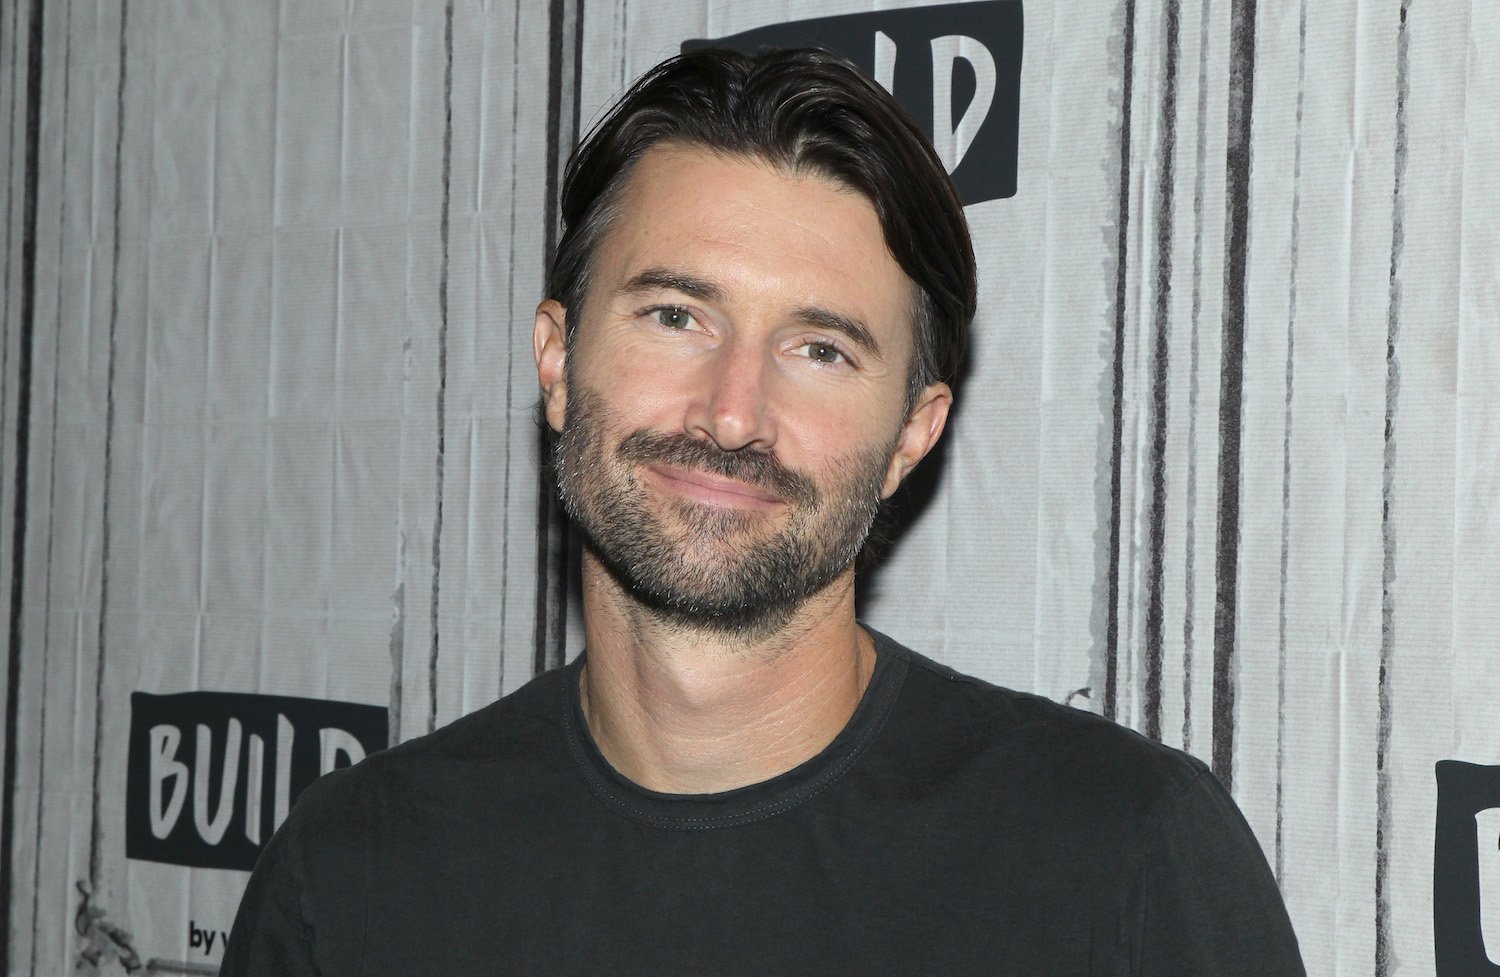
x: 806, y: 111
x: 739, y: 358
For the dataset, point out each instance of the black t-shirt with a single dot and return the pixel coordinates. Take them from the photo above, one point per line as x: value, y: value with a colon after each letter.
x: 952, y: 828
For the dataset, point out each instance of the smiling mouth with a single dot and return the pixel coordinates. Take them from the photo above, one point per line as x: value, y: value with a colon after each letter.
x: 714, y: 489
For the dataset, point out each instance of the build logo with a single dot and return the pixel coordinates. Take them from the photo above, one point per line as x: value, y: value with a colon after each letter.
x: 956, y: 67
x: 1466, y: 871
x: 213, y: 774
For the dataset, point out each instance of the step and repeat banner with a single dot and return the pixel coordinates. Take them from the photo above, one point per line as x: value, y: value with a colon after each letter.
x: 1225, y: 466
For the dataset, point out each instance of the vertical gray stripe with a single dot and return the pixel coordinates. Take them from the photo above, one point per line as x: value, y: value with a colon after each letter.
x: 6, y: 798
x: 442, y: 391
x: 547, y: 515
x: 96, y: 828
x: 623, y: 29
x: 8, y: 228
x: 10, y: 146
x: 577, y: 72
x: 16, y: 84
x: 1231, y: 379
x: 396, y: 640
x: 568, y: 557
x: 41, y: 752
x: 397, y: 646
x: 510, y: 305
x: 28, y: 143
x: 1286, y: 442
x: 34, y: 52
x: 1157, y: 506
x: 1384, y: 955
x: 1190, y: 593
x: 555, y: 542
x: 1122, y: 275
x: 555, y: 16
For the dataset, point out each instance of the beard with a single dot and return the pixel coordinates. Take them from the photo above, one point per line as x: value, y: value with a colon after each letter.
x: 703, y: 567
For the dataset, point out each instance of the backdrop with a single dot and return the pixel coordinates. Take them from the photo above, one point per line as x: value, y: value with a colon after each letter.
x: 1226, y: 466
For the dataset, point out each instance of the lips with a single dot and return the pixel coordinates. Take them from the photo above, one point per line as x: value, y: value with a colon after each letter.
x: 681, y: 464
x: 714, y: 489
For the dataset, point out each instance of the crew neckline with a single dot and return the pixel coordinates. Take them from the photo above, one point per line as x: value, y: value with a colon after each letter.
x: 753, y: 802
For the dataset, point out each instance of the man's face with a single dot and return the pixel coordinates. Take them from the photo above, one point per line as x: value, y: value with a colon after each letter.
x: 732, y: 407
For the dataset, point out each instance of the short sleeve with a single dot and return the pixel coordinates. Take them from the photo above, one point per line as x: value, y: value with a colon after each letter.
x: 1205, y: 899
x: 270, y: 935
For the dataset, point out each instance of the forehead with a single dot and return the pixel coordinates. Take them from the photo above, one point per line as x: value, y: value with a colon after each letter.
x: 759, y: 231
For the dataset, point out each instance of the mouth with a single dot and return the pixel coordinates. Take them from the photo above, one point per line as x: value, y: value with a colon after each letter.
x: 716, y: 490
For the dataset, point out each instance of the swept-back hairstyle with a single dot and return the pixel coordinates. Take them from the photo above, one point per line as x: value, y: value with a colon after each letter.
x: 804, y: 110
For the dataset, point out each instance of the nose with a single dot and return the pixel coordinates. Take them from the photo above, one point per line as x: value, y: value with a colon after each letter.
x: 731, y: 406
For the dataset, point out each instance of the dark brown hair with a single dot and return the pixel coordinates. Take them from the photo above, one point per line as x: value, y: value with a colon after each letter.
x: 799, y: 109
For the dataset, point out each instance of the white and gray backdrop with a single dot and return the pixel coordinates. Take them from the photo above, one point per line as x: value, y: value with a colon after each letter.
x: 1227, y: 465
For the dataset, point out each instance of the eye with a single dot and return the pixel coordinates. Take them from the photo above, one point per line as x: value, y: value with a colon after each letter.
x: 672, y: 316
x: 823, y: 353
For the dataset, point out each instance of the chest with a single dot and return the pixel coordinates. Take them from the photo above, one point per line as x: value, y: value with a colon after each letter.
x: 824, y: 890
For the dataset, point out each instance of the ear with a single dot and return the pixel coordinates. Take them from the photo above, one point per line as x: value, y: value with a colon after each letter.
x: 549, y: 343
x: 923, y: 426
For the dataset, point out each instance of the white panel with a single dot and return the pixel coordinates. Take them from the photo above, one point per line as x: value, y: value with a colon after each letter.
x: 377, y: 120
x: 1423, y: 492
x: 1476, y: 569
x: 312, y: 260
x: 309, y: 109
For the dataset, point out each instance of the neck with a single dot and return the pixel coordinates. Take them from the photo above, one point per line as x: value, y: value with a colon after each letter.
x: 685, y: 711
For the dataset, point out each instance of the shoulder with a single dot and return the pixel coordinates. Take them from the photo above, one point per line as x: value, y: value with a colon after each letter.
x: 1070, y: 765
x: 513, y: 739
x: 1148, y: 830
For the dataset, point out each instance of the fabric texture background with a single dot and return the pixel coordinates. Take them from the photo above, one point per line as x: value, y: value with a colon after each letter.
x: 1226, y: 467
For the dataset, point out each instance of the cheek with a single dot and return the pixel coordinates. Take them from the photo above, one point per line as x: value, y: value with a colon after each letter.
x: 637, y: 404
x: 630, y: 386
x: 641, y: 402
x: 834, y: 436
x: 606, y: 365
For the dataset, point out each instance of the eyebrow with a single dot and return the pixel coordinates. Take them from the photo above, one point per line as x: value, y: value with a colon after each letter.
x: 856, y: 331
x: 658, y: 279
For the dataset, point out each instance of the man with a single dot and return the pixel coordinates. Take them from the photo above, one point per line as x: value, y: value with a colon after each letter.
x: 755, y: 312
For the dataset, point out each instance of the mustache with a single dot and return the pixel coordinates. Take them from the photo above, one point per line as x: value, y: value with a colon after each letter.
x: 759, y: 468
